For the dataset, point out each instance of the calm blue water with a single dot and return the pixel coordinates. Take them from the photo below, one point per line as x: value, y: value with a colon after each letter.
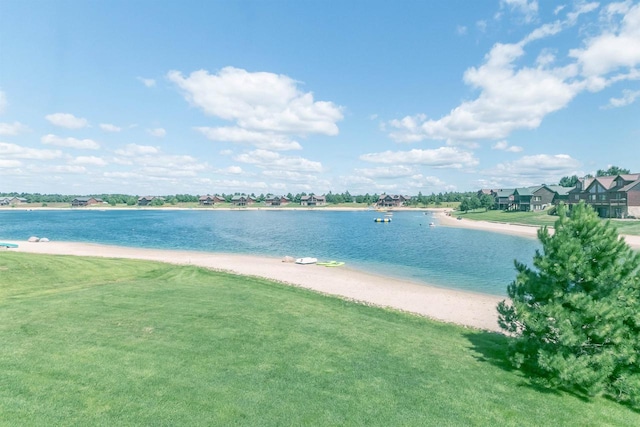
x: 407, y: 248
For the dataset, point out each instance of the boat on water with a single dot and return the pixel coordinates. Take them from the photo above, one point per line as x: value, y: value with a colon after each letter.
x: 306, y: 260
x: 432, y: 224
x: 382, y: 219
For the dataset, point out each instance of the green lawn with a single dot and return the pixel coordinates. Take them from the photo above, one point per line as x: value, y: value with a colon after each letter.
x: 539, y: 218
x: 89, y: 341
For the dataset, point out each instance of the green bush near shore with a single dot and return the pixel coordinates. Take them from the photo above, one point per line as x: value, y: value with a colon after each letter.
x: 90, y: 341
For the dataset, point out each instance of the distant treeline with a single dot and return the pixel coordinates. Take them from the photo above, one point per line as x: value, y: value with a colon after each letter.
x: 173, y: 199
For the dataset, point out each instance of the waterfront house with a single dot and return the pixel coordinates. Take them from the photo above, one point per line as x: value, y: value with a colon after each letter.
x: 392, y: 201
x: 610, y: 196
x: 505, y: 199
x: 146, y: 200
x: 210, y: 200
x: 12, y: 201
x: 242, y: 200
x: 86, y: 201
x: 522, y: 198
x: 276, y: 200
x: 313, y: 200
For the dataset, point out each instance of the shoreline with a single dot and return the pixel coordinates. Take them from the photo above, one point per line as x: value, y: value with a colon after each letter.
x: 530, y: 231
x: 447, y: 305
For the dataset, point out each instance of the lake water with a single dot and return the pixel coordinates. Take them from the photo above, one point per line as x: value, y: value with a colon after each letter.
x: 407, y: 247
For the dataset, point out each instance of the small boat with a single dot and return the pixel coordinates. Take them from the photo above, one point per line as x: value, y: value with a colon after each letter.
x: 8, y: 245
x: 382, y: 219
x: 306, y: 260
x: 331, y: 263
x: 432, y: 224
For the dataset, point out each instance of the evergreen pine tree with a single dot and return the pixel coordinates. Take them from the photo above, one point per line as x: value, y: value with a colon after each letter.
x: 575, y: 318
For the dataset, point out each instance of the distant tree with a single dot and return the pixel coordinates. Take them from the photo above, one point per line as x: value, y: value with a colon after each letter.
x: 487, y: 201
x: 157, y: 202
x: 465, y: 205
x: 612, y: 171
x: 474, y: 202
x: 574, y: 318
x: 568, y: 181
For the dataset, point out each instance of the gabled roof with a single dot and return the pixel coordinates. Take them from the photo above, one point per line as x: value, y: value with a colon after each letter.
x: 607, y: 182
x: 526, y: 191
x: 559, y: 189
x: 505, y: 192
x: 635, y: 185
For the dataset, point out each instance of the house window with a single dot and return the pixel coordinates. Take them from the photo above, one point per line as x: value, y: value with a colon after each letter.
x: 602, y: 197
x: 576, y: 197
x: 592, y: 197
x: 537, y: 198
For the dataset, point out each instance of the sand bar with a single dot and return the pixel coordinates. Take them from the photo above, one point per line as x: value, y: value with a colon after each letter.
x: 448, y: 305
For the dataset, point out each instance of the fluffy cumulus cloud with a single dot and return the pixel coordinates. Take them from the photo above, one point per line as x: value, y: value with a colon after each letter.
x: 263, y: 140
x: 6, y: 163
x: 88, y: 160
x: 272, y: 160
x: 514, y: 95
x: 617, y: 48
x: 258, y: 102
x: 12, y: 129
x: 443, y: 157
x: 504, y: 146
x: 8, y: 150
x: 67, y: 120
x: 133, y: 150
x: 108, y: 127
x: 533, y: 170
x: 81, y: 144
x: 386, y: 172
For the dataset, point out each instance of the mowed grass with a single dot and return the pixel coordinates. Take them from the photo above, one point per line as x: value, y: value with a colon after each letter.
x: 87, y: 341
x: 540, y: 218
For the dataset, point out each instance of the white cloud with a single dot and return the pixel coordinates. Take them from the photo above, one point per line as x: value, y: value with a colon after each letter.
x: 81, y: 144
x: 628, y: 97
x: 534, y: 170
x: 618, y: 46
x: 271, y: 160
x: 61, y: 169
x: 390, y: 172
x: 233, y: 170
x: 147, y: 82
x: 5, y: 163
x: 513, y: 96
x: 226, y: 152
x: 107, y: 127
x: 259, y: 101
x: 559, y: 9
x: 290, y: 176
x: 132, y: 150
x: 66, y: 120
x: 88, y: 160
x: 504, y: 146
x: 3, y: 102
x: 443, y: 157
x: 20, y: 152
x: 157, y: 132
x: 528, y: 8
x: 481, y: 26
x: 263, y: 140
x: 12, y: 128
x: 461, y: 30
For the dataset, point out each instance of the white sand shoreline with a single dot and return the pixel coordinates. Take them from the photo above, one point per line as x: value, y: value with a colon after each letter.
x: 530, y: 231
x: 448, y: 305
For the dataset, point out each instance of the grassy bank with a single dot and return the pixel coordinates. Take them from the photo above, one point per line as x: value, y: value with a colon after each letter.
x: 119, y: 342
x: 539, y: 218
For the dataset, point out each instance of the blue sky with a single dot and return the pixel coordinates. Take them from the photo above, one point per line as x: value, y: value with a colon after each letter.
x: 165, y: 97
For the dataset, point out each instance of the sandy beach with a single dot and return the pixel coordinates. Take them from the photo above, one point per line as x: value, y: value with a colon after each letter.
x: 448, y: 305
x: 514, y: 229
